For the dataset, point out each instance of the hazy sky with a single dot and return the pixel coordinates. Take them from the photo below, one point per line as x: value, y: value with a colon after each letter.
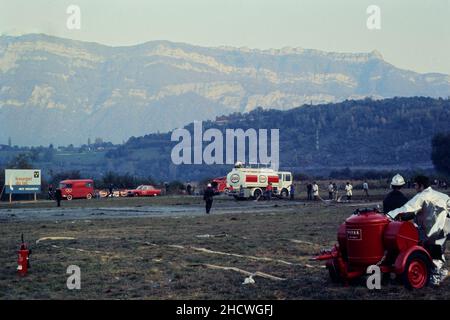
x: 414, y: 34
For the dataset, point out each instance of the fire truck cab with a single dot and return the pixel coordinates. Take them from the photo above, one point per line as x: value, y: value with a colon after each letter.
x: 251, y: 182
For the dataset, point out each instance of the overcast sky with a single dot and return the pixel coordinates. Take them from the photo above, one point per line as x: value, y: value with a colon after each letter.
x: 414, y: 34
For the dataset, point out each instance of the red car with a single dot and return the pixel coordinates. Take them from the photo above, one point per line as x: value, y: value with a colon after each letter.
x: 80, y: 188
x: 144, y: 190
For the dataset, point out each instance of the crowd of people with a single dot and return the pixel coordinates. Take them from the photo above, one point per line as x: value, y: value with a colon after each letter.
x: 313, y: 192
x: 344, y: 192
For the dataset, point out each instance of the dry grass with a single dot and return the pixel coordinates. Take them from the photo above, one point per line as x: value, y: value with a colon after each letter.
x: 155, y: 258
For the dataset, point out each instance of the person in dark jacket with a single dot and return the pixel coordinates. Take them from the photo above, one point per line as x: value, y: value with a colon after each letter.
x: 208, y: 197
x: 58, y: 197
x: 189, y: 189
x: 269, y: 191
x: 111, y: 190
x: 309, y: 190
x: 292, y: 192
x: 395, y: 199
x: 51, y: 193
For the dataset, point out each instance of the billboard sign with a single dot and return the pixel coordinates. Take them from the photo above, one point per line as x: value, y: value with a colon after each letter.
x: 22, y: 181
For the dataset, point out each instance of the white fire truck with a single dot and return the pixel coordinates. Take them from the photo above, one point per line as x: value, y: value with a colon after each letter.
x: 247, y: 182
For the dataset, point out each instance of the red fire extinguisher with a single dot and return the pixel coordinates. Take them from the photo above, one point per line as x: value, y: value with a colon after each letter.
x: 23, y: 261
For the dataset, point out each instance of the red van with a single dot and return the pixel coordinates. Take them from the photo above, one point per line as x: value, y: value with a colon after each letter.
x: 80, y: 188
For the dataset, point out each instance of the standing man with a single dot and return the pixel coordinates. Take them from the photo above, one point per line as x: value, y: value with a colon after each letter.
x: 366, y: 189
x: 292, y: 191
x: 309, y: 191
x: 110, y: 189
x: 189, y: 189
x: 269, y: 190
x: 166, y: 187
x: 429, y: 208
x: 330, y: 190
x: 208, y: 197
x: 335, y: 191
x: 395, y: 199
x: 51, y: 196
x: 349, y: 191
x: 58, y: 197
x: 315, y: 189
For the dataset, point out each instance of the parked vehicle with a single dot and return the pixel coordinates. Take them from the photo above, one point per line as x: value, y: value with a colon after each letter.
x: 251, y: 182
x: 368, y: 238
x: 77, y: 189
x: 220, y: 185
x: 143, y: 191
x: 116, y: 193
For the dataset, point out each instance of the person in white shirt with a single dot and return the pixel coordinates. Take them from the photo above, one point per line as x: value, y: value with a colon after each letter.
x: 430, y: 210
x: 366, y: 189
x: 330, y: 190
x: 315, y: 189
x: 349, y: 191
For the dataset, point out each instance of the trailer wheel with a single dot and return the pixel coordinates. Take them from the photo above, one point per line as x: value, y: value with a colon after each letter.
x: 284, y: 193
x: 334, y: 272
x: 69, y: 197
x: 89, y: 196
x: 257, y: 193
x: 417, y: 271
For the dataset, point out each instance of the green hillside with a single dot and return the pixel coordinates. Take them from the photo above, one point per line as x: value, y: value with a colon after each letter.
x: 360, y: 135
x: 367, y: 134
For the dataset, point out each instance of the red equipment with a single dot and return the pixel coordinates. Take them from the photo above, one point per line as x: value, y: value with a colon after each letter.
x: 220, y: 185
x: 369, y: 238
x: 23, y: 261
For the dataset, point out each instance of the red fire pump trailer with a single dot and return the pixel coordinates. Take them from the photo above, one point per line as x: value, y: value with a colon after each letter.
x: 368, y: 238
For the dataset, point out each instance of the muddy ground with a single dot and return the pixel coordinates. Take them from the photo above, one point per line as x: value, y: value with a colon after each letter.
x: 168, y: 248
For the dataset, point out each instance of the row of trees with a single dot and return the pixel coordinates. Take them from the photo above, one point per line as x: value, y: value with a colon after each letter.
x: 440, y: 154
x: 365, y: 133
x: 123, y: 181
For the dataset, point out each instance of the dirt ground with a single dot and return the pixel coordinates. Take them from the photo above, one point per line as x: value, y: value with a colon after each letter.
x: 168, y: 248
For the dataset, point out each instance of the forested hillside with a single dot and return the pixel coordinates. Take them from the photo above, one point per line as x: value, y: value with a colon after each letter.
x: 371, y: 134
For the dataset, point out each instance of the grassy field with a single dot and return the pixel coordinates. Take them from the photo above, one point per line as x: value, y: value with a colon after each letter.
x: 183, y: 258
